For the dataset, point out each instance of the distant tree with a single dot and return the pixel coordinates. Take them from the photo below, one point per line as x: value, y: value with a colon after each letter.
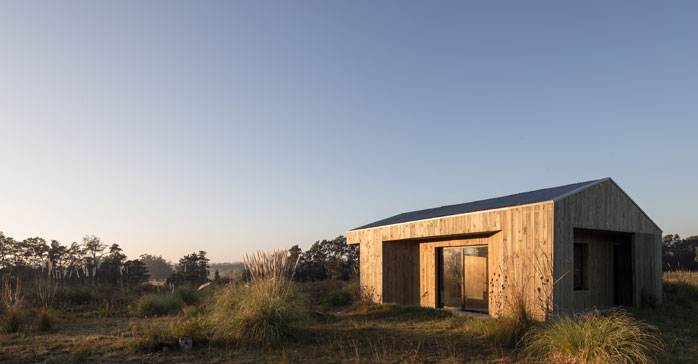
x: 216, y: 276
x: 192, y: 269
x: 135, y: 273
x: 35, y: 252
x: 57, y: 260
x: 159, y: 268
x: 294, y: 253
x: 75, y: 262
x: 679, y: 253
x: 334, y: 268
x: 92, y: 249
x: 110, y: 271
x: 6, y: 244
x: 327, y: 258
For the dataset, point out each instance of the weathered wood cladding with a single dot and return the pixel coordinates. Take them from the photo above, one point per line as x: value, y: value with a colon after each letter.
x: 530, y: 247
x: 647, y: 256
x: 520, y: 246
x: 604, y: 206
x: 600, y: 265
x: 401, y: 272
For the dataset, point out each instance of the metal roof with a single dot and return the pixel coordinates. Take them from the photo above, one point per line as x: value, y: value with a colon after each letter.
x: 546, y: 194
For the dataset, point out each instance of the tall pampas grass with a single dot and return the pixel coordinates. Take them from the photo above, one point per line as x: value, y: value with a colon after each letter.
x: 275, y: 265
x: 264, y: 310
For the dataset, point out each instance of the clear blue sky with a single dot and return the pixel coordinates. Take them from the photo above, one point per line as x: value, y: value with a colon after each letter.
x: 169, y: 127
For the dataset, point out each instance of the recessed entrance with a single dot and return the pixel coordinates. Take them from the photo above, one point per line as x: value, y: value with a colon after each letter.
x: 463, y: 278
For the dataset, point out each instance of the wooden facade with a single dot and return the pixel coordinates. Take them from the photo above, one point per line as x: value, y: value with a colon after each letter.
x: 530, y: 253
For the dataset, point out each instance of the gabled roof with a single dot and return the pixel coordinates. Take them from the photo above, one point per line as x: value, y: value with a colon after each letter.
x: 546, y: 194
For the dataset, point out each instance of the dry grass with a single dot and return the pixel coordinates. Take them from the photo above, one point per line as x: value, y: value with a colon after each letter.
x: 275, y: 264
x: 617, y: 338
x: 361, y: 333
x: 10, y: 305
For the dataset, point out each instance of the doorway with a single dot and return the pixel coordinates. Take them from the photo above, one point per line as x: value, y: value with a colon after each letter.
x: 463, y: 278
x: 622, y: 274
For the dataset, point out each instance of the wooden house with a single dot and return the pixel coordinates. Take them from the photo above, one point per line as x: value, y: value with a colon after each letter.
x: 566, y: 249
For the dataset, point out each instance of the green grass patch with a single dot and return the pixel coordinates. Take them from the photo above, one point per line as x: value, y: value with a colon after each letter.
x: 159, y: 304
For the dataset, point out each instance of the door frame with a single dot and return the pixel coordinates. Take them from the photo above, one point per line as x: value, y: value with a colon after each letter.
x: 439, y: 273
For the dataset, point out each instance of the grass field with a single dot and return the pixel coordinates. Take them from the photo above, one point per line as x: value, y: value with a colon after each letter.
x: 360, y: 333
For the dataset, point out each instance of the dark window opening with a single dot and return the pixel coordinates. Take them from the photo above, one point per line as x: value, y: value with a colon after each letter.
x: 581, y: 273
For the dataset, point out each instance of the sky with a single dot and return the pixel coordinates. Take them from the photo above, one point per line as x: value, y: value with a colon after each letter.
x: 229, y: 126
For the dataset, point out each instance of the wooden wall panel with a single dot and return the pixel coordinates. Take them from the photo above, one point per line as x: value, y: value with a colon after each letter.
x: 606, y: 207
x: 401, y: 272
x: 647, y: 255
x: 600, y: 269
x: 520, y: 253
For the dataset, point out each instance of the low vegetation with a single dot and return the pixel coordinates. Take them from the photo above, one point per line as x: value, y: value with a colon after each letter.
x: 264, y: 310
x: 616, y: 338
x: 275, y: 312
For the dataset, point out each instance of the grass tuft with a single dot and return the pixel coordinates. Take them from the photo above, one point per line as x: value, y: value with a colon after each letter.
x: 263, y: 312
x: 616, y: 338
x: 511, y: 328
x: 44, y: 319
x: 11, y: 318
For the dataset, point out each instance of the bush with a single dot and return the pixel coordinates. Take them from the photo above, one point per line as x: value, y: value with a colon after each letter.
x: 264, y: 311
x: 152, y: 338
x: 187, y: 295
x: 336, y: 297
x: 158, y: 304
x: 615, y: 338
x: 44, y: 319
x: 76, y: 296
x: 11, y: 318
x: 190, y: 323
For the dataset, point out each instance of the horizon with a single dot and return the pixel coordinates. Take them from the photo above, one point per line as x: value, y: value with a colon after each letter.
x: 241, y: 126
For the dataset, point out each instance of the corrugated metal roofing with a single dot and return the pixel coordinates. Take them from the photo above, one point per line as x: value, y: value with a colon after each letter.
x: 546, y: 194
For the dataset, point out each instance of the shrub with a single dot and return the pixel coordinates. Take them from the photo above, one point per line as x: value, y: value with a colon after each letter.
x: 187, y: 295
x: 158, y: 304
x: 190, y: 323
x: 336, y: 297
x: 11, y: 318
x: 264, y: 311
x: 607, y: 339
x: 44, y: 319
x: 152, y: 338
x: 75, y: 296
x: 355, y: 291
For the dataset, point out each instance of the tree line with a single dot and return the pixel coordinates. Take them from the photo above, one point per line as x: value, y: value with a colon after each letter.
x: 93, y: 262
x: 326, y: 259
x: 88, y: 263
x: 679, y: 253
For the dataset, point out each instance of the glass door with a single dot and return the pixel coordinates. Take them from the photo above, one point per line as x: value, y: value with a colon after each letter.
x: 463, y: 282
